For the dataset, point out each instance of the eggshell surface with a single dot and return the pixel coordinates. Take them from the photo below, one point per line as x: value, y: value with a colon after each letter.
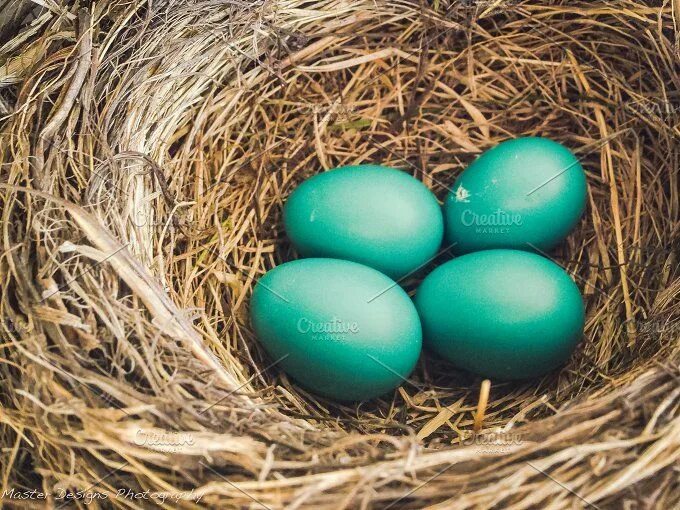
x: 504, y: 314
x: 339, y: 328
x: 525, y: 194
x: 378, y: 216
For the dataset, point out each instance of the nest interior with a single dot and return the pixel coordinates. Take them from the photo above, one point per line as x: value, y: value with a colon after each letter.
x: 147, y: 149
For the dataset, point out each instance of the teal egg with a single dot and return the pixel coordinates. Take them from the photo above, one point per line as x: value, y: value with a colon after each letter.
x: 524, y: 194
x: 504, y: 314
x: 375, y: 215
x: 340, y: 329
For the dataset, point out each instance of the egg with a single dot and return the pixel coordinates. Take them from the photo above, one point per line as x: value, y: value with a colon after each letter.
x: 378, y: 216
x: 504, y: 314
x: 525, y: 194
x: 340, y: 329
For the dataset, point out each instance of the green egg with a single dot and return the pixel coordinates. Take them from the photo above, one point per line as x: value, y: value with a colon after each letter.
x: 340, y: 329
x: 505, y: 314
x: 377, y: 216
x: 524, y: 194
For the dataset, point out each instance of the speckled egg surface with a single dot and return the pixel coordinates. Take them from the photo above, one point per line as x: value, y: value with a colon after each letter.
x: 525, y: 194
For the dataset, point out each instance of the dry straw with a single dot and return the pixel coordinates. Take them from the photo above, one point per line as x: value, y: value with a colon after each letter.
x: 146, y: 150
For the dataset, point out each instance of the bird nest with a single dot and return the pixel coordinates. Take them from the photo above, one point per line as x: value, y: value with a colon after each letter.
x: 147, y: 149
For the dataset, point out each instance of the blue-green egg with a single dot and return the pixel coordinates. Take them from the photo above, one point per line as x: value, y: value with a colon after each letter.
x: 505, y: 314
x: 378, y: 216
x: 525, y: 194
x: 340, y: 329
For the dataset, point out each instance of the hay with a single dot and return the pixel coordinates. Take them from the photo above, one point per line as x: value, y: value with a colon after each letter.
x: 146, y: 150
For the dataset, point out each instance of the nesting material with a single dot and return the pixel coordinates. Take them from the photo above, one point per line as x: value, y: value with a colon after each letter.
x: 147, y: 149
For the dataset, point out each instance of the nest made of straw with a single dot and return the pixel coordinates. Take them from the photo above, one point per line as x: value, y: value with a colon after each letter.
x: 146, y: 150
